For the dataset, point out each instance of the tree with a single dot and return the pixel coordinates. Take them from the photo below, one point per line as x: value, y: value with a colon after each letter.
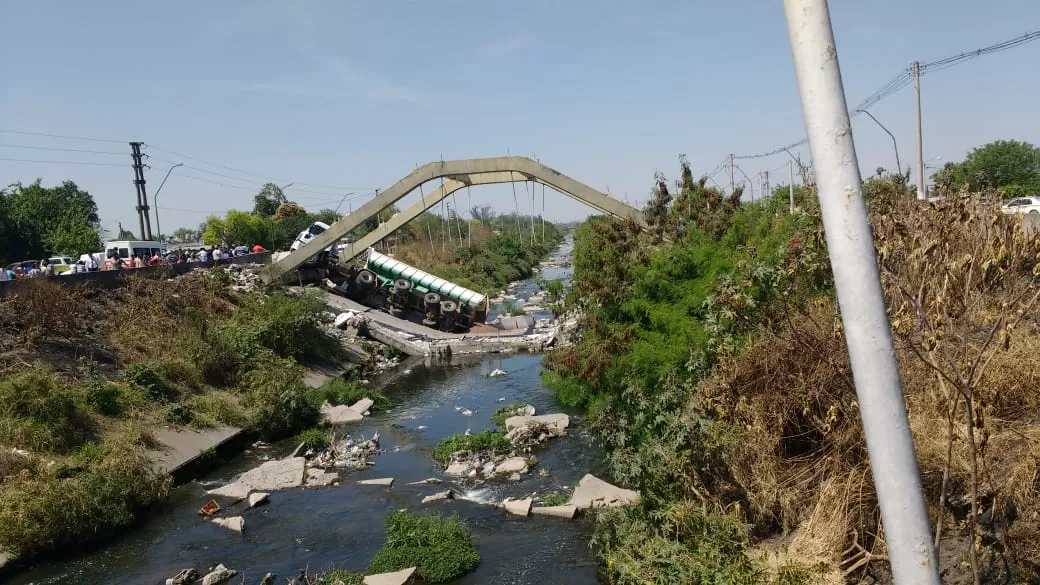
x: 215, y: 231
x: 125, y: 234
x: 267, y: 201
x: 185, y: 234
x: 327, y: 216
x: 1009, y: 165
x: 39, y: 221
x: 241, y: 228
x: 483, y: 213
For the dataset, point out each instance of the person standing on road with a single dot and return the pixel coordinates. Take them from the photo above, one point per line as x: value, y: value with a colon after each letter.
x: 46, y: 268
x: 203, y: 256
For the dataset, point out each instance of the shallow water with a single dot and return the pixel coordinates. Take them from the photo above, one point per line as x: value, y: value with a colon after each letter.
x: 342, y: 526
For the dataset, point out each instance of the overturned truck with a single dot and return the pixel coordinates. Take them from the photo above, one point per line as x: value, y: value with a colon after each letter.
x: 404, y: 290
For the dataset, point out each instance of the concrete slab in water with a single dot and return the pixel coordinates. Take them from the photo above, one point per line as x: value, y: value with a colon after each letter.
x: 402, y: 577
x: 180, y: 447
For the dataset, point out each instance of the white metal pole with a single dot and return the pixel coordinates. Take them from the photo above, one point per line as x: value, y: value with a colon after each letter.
x: 850, y: 244
x: 922, y: 191
x: 790, y: 184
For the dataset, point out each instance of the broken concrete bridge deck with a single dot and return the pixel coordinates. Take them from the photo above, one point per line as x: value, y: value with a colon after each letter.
x: 416, y: 339
x: 180, y: 448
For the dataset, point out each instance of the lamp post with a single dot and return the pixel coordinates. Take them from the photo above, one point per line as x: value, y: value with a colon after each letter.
x: 155, y: 197
x: 899, y: 167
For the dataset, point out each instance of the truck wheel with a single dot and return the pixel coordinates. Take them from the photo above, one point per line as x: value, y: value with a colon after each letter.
x: 433, y: 299
x: 1033, y: 211
x: 448, y: 307
x: 366, y: 279
x: 402, y: 285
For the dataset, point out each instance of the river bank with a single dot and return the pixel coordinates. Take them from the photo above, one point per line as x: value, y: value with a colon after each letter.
x: 342, y: 525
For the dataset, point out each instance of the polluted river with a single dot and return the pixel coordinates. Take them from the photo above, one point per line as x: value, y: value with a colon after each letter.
x: 342, y: 526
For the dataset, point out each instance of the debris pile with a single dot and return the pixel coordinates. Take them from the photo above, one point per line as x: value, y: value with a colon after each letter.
x: 347, y: 453
x: 533, y: 434
x: 482, y: 466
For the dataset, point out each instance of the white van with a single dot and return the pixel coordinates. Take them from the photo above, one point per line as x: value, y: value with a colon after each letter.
x: 308, y: 234
x: 126, y: 248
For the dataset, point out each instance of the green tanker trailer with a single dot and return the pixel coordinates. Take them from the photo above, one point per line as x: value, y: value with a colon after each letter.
x: 403, y: 288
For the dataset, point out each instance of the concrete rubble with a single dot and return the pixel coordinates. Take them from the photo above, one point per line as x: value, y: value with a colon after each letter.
x: 347, y: 453
x: 342, y: 414
x: 593, y: 492
x: 425, y: 481
x: 558, y: 420
x: 402, y: 577
x: 185, y: 577
x: 257, y: 498
x: 534, y: 433
x: 232, y: 523
x: 517, y: 507
x: 269, y: 476
x: 445, y: 495
x: 321, y: 478
x: 485, y: 466
x: 218, y: 575
x: 564, y: 511
x: 383, y: 481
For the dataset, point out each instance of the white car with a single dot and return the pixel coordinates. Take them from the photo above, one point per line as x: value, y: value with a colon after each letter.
x: 308, y: 234
x: 1022, y: 205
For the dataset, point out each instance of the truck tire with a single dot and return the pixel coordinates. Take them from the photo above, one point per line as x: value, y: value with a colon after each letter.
x: 366, y: 279
x: 449, y: 307
x: 402, y: 285
x: 432, y: 300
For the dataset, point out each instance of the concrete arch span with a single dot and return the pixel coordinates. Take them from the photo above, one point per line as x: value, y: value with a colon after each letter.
x: 457, y: 174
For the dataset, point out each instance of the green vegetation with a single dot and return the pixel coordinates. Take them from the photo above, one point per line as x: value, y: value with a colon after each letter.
x: 1008, y: 165
x: 316, y: 438
x: 338, y: 391
x: 440, y: 548
x: 512, y: 309
x: 338, y: 577
x: 191, y: 354
x: 492, y: 441
x: 554, y: 499
x: 503, y: 412
x: 37, y: 222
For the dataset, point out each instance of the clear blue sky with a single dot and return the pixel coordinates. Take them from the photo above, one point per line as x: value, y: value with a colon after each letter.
x: 352, y: 95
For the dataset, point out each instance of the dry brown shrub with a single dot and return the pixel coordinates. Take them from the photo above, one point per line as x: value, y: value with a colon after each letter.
x: 43, y: 308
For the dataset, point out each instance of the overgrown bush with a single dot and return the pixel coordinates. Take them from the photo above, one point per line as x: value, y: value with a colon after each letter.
x: 276, y: 399
x: 316, y: 438
x: 440, y: 548
x: 288, y: 325
x: 103, y: 397
x: 503, y: 412
x: 339, y: 577
x: 489, y: 441
x: 44, y: 512
x: 39, y: 412
x: 145, y: 377
x: 338, y: 391
x: 216, y: 408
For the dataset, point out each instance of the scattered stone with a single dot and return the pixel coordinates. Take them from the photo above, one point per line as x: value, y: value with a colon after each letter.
x: 346, y: 319
x: 533, y: 308
x: 497, y: 372
x: 218, y: 575
x: 512, y: 465
x: 402, y: 577
x: 457, y: 469
x: 525, y: 410
x: 533, y: 434
x: 337, y: 415
x: 445, y: 495
x: 234, y: 490
x: 347, y: 454
x: 425, y: 481
x: 564, y: 511
x: 384, y: 481
x: 185, y: 577
x: 558, y: 420
x: 362, y: 405
x: 593, y: 492
x: 518, y: 507
x: 233, y: 523
x: 321, y: 478
x: 299, y: 450
x: 257, y: 498
x: 514, y: 477
x: 268, y: 579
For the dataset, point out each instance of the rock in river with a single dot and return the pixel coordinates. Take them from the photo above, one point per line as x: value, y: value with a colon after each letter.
x: 234, y: 523
x: 384, y: 481
x: 518, y: 507
x: 558, y: 421
x: 593, y: 492
x: 271, y: 476
x: 445, y: 495
x: 257, y: 498
x: 402, y: 577
x: 565, y: 511
x: 218, y: 575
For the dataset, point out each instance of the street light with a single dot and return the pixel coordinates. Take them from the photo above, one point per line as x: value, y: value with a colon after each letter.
x: 155, y: 197
x: 899, y: 167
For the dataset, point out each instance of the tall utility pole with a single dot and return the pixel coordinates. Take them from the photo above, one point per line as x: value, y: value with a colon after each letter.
x: 895, y: 145
x: 868, y: 333
x: 143, y: 215
x: 922, y: 193
x: 790, y: 184
x: 732, y: 184
x: 765, y: 186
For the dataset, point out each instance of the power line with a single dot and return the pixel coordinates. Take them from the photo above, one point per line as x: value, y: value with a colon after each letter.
x: 209, y: 172
x: 62, y: 149
x: 905, y: 78
x: 65, y: 162
x: 62, y: 136
x: 244, y: 172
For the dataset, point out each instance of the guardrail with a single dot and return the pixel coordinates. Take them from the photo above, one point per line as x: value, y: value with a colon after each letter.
x: 109, y: 279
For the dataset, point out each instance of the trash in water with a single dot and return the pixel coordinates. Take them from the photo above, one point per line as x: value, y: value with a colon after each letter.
x: 497, y: 372
x: 211, y: 508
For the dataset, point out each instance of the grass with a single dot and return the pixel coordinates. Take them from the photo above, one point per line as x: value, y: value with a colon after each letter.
x: 338, y: 391
x: 512, y: 310
x: 276, y: 400
x: 554, y: 499
x: 440, y: 548
x: 97, y: 493
x: 315, y: 438
x: 503, y: 412
x: 484, y: 441
x: 338, y: 577
x: 40, y: 413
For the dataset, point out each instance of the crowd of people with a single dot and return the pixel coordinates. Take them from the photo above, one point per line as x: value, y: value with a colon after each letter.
x: 94, y: 263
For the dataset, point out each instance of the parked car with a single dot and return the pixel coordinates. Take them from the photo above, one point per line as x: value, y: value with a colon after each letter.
x: 60, y: 263
x: 1022, y: 205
